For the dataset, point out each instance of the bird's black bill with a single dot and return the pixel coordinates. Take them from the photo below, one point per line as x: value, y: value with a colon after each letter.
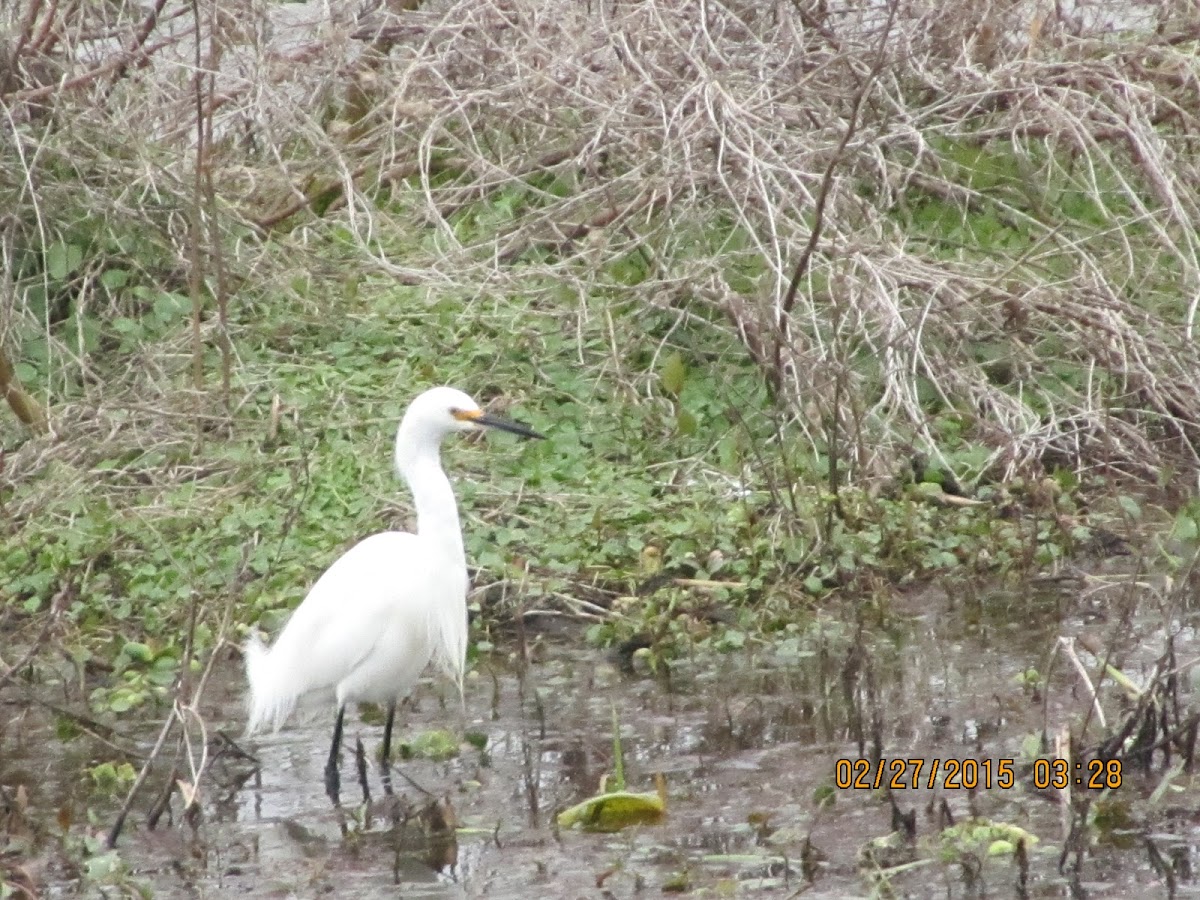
x: 506, y: 425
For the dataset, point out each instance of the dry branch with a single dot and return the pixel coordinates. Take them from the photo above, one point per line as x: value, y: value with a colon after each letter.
x: 776, y: 165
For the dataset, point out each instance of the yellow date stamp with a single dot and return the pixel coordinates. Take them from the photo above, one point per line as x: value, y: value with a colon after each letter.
x: 1090, y: 774
x: 900, y: 774
x: 969, y: 774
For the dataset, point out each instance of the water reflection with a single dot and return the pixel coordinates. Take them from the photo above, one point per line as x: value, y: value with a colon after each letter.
x: 746, y: 741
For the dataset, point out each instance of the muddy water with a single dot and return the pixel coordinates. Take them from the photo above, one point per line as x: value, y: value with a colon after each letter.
x: 747, y: 742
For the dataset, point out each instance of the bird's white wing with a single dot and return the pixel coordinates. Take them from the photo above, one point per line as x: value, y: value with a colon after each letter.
x: 382, y: 589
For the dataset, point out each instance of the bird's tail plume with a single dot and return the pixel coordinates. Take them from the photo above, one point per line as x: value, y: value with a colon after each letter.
x: 271, y: 700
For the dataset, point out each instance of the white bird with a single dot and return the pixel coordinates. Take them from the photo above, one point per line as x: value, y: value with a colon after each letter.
x: 388, y: 606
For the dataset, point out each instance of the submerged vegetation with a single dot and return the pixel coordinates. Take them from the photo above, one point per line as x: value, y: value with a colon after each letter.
x: 814, y: 309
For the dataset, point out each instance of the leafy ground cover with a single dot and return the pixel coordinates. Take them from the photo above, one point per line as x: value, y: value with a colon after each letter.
x: 662, y: 464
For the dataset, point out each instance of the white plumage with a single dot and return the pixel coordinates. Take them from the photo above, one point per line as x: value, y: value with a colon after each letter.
x: 362, y: 634
x: 387, y: 607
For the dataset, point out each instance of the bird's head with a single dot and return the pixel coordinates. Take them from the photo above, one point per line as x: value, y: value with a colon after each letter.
x: 442, y: 410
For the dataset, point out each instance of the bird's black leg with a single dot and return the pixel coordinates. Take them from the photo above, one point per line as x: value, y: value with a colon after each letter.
x: 332, y: 781
x: 387, y: 748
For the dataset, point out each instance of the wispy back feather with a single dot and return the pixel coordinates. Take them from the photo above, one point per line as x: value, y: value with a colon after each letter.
x: 271, y: 699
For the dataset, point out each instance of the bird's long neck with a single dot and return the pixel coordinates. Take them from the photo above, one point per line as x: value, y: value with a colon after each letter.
x: 437, y: 512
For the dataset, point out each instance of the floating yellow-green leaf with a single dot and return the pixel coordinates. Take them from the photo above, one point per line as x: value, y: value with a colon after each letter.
x: 995, y: 838
x: 612, y: 812
x: 620, y: 809
x: 437, y: 745
x: 886, y: 852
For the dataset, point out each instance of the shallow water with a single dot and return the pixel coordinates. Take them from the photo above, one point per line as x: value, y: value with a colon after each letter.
x: 744, y: 741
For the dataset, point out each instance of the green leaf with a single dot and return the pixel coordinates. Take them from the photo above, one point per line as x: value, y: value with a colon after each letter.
x: 1185, y: 528
x: 138, y: 652
x: 438, y: 745
x: 104, y: 775
x: 169, y: 306
x: 994, y: 838
x: 122, y: 702
x: 685, y: 422
x: 824, y: 795
x: 732, y: 639
x: 104, y: 866
x: 1130, y: 506
x: 612, y: 812
x: 114, y: 279
x: 62, y: 259
x: 674, y: 374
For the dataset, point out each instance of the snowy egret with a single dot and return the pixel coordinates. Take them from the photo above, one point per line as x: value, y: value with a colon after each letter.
x: 389, y: 605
